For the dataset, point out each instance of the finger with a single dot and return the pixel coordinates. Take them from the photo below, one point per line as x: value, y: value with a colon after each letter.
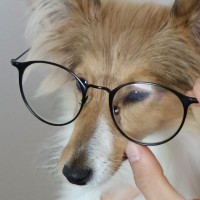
x: 195, y: 92
x: 196, y: 89
x: 148, y: 174
x: 190, y: 93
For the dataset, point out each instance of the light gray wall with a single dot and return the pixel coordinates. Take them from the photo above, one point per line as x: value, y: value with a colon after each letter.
x: 20, y: 133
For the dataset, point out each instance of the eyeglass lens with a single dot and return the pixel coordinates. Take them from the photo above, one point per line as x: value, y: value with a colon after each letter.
x: 147, y: 113
x: 52, y: 93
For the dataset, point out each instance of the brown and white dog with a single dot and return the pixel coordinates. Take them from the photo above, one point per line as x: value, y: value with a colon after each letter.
x: 112, y: 42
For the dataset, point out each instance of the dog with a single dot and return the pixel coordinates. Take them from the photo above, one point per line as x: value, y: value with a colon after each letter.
x: 110, y: 43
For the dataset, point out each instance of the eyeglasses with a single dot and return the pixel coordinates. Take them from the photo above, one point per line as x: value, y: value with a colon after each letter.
x: 145, y: 113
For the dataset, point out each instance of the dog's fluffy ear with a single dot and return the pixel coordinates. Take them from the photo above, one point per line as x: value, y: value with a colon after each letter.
x: 48, y: 14
x: 81, y: 6
x: 187, y: 14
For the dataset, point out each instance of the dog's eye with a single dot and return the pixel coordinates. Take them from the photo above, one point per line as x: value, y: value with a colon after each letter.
x: 136, y: 96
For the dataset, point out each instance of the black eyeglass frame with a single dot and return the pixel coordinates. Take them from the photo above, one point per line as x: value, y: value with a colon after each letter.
x: 21, y: 66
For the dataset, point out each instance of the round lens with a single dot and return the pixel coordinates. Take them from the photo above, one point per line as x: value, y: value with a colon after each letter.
x: 147, y: 113
x: 52, y: 93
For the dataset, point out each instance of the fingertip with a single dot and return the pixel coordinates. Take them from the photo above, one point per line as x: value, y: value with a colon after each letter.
x: 196, y: 89
x: 143, y: 157
x: 132, y: 152
x: 190, y: 93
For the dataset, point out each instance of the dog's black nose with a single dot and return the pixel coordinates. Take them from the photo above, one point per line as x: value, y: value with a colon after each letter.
x: 76, y: 176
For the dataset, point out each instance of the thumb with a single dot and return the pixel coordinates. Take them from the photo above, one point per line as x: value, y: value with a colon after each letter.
x: 148, y: 174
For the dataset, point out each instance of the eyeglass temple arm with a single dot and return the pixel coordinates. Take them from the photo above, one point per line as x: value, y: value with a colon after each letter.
x: 13, y: 61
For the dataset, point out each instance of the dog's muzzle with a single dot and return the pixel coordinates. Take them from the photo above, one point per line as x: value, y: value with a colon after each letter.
x: 77, y: 176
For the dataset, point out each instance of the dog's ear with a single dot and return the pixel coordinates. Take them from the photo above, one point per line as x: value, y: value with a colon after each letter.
x: 52, y: 10
x: 81, y: 6
x: 48, y: 14
x: 187, y: 14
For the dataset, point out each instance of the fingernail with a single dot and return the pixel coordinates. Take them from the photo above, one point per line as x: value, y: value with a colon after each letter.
x: 133, y: 152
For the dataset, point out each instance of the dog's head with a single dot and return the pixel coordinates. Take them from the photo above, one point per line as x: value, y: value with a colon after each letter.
x: 110, y: 43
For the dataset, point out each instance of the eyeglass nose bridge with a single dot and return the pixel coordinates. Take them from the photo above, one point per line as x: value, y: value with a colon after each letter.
x: 99, y: 88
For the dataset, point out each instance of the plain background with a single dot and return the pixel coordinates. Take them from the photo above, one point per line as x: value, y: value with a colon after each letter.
x: 21, y: 135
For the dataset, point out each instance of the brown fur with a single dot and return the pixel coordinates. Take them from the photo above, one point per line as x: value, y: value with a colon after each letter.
x: 123, y: 42
x: 113, y: 42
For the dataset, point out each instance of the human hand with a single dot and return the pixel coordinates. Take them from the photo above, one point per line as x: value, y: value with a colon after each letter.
x: 148, y: 174
x: 196, y: 90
